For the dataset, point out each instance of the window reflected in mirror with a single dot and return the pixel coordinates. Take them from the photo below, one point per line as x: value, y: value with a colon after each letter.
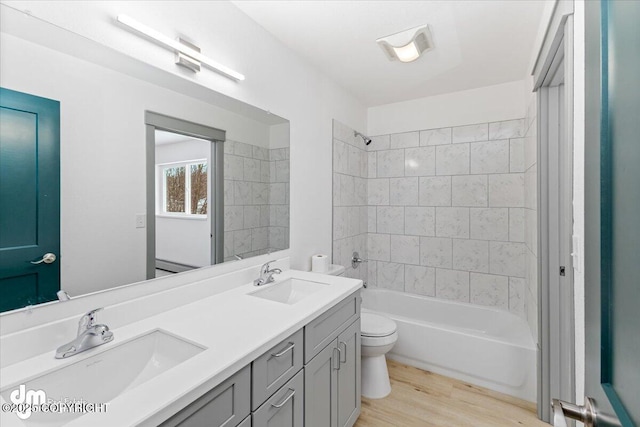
x: 178, y: 186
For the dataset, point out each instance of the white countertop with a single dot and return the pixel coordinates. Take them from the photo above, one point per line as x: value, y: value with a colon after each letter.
x: 235, y: 328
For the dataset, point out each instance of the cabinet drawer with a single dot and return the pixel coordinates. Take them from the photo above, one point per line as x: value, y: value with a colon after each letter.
x: 325, y: 328
x: 224, y: 406
x: 275, y: 367
x: 285, y: 407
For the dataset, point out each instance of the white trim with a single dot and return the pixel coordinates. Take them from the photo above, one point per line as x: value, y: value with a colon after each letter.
x: 552, y: 38
x: 555, y: 173
x: 190, y: 217
x: 578, y: 194
x: 543, y: 28
x: 183, y: 162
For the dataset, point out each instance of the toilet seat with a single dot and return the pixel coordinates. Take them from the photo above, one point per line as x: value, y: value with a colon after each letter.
x: 367, y: 341
x: 376, y: 326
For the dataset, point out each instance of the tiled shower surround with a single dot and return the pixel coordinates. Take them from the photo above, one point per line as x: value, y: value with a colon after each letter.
x: 256, y: 199
x: 444, y: 211
x: 349, y: 199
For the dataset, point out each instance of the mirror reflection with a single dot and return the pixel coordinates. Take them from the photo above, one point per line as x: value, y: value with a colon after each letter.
x: 184, y: 228
x: 101, y: 240
x: 256, y: 195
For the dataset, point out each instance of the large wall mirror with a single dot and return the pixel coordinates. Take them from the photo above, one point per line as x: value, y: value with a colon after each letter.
x: 127, y: 181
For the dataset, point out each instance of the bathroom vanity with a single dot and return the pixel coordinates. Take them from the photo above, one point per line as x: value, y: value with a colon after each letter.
x: 282, y: 354
x: 312, y: 378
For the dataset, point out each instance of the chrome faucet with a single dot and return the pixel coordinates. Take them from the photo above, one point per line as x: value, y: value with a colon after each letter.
x: 266, y: 275
x: 90, y: 335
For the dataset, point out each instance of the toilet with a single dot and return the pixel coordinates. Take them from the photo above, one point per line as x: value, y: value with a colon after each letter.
x: 378, y: 336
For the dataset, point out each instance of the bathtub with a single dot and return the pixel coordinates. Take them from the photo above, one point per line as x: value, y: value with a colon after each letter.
x: 483, y: 346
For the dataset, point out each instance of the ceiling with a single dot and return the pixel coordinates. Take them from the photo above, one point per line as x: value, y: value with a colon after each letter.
x: 477, y: 43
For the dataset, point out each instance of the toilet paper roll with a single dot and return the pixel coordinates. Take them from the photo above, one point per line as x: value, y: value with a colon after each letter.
x: 319, y: 263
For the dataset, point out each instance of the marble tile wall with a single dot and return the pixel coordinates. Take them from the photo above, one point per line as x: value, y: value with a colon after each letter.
x: 350, y: 170
x: 445, y: 213
x: 531, y: 218
x: 256, y: 198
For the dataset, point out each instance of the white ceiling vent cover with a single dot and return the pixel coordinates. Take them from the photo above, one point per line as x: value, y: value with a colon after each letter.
x: 408, y: 45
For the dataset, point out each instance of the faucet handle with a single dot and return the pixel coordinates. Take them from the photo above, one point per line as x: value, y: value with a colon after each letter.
x: 92, y: 314
x: 88, y: 320
x: 265, y: 266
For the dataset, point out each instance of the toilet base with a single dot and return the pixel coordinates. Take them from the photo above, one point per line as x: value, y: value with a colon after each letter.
x: 375, y: 377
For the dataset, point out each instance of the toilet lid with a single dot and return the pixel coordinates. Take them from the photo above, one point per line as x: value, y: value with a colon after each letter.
x: 375, y: 325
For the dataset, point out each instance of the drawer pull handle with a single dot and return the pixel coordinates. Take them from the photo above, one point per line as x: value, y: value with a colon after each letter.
x: 339, y: 358
x: 284, y: 351
x: 286, y: 399
x: 345, y: 351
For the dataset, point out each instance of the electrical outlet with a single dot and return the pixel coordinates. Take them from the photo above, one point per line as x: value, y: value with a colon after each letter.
x: 141, y: 220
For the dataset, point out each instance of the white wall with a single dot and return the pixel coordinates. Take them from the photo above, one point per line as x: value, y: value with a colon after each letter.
x: 179, y: 239
x: 183, y: 241
x: 505, y: 101
x: 277, y: 80
x: 279, y: 136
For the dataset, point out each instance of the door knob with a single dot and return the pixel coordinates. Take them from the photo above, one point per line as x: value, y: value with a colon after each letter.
x: 47, y: 258
x: 585, y: 413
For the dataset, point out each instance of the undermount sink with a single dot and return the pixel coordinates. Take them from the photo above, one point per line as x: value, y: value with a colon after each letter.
x: 105, y: 376
x: 289, y: 291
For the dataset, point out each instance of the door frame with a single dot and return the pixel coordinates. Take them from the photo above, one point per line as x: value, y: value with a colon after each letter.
x: 156, y: 121
x: 556, y: 314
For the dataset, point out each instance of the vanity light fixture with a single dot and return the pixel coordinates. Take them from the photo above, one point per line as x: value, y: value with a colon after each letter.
x: 407, y: 45
x: 187, y: 54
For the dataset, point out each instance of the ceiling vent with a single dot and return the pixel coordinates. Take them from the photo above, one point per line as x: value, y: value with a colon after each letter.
x: 407, y: 45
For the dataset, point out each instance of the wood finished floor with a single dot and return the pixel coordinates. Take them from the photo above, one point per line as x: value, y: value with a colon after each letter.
x: 421, y: 398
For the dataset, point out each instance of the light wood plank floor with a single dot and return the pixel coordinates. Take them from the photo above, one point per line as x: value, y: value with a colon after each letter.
x: 421, y: 398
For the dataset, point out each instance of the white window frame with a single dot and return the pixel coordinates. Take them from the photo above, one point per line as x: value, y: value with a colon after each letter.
x: 162, y: 209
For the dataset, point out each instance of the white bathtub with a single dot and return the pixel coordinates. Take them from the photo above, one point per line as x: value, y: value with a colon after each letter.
x: 483, y: 346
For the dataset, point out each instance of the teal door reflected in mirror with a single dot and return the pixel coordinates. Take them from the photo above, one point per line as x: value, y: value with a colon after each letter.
x: 612, y: 200
x: 620, y: 244
x: 29, y: 199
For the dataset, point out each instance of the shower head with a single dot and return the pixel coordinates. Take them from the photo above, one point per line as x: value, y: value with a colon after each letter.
x: 365, y: 138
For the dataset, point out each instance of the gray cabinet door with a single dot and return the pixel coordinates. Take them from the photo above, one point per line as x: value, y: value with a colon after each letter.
x: 349, y: 375
x: 324, y: 329
x: 321, y: 388
x: 224, y: 406
x: 285, y: 408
